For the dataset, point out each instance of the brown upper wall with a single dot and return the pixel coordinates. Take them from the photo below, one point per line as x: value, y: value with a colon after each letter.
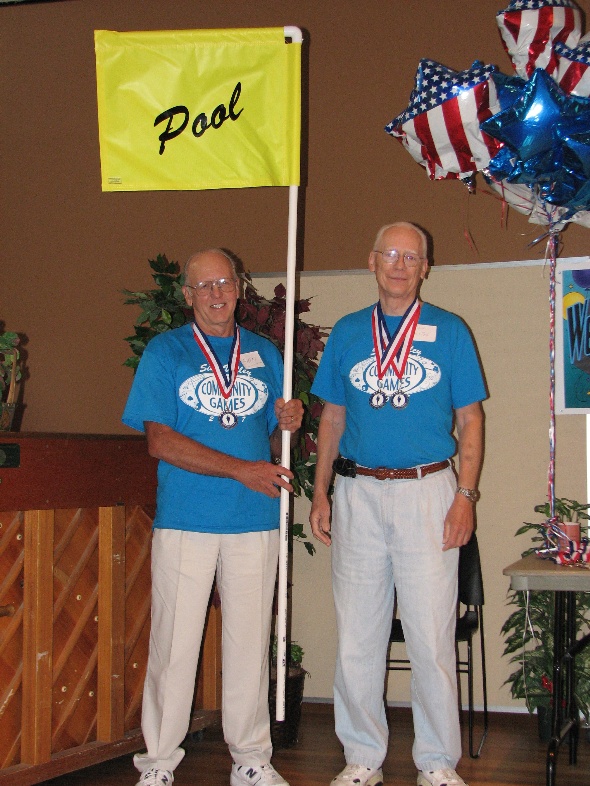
x: 67, y: 249
x: 362, y: 58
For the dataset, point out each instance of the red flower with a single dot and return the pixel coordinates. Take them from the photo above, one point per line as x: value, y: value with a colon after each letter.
x: 547, y: 683
x: 277, y: 331
x: 316, y: 409
x: 303, y: 342
x: 263, y: 314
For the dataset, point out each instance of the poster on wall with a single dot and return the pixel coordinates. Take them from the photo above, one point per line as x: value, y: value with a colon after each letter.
x: 572, y: 337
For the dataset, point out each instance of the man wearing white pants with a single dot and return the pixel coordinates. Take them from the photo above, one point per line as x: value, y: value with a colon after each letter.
x: 396, y: 377
x: 207, y: 395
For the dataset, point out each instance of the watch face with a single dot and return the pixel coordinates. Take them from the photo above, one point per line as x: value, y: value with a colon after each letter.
x: 471, y: 494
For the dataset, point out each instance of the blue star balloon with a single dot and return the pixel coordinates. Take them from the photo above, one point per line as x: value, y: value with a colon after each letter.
x: 581, y: 201
x: 505, y: 165
x: 528, y: 124
x: 546, y: 134
x: 574, y: 135
x: 508, y: 88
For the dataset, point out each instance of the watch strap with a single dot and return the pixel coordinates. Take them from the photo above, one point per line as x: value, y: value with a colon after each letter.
x: 471, y: 494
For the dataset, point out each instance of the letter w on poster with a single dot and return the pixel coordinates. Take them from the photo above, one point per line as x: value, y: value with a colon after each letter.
x: 198, y: 109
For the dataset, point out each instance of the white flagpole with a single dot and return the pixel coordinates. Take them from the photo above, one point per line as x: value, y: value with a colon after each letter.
x: 294, y: 33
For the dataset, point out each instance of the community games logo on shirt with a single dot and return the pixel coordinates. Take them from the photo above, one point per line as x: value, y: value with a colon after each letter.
x: 420, y: 374
x: 201, y: 393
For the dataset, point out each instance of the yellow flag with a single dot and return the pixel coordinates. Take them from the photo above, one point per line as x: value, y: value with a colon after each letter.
x: 198, y: 109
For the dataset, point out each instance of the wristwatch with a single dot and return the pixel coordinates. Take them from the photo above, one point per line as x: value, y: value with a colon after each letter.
x: 471, y: 494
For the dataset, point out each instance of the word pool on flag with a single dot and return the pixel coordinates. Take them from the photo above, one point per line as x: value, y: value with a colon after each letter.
x: 198, y: 109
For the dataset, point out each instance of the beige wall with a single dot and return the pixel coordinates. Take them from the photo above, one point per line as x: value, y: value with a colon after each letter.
x: 507, y: 309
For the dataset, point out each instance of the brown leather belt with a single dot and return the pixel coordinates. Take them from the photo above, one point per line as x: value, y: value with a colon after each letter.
x: 411, y: 473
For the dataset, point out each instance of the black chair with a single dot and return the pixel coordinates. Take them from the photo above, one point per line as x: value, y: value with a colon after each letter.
x: 469, y: 620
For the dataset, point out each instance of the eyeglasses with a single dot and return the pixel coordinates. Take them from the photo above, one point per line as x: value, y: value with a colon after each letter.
x: 392, y: 255
x: 204, y: 288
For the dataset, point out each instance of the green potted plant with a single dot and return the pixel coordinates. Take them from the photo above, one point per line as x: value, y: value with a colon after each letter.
x: 285, y: 733
x: 10, y: 374
x: 164, y: 308
x: 528, y: 631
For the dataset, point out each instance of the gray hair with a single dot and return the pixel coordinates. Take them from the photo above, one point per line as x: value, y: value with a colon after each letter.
x: 404, y: 225
x: 198, y: 254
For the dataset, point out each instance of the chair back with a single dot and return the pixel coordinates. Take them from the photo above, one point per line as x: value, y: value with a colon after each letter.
x: 470, y: 578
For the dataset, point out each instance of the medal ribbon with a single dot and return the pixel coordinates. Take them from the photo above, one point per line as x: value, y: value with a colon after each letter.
x: 394, y: 351
x: 224, y: 381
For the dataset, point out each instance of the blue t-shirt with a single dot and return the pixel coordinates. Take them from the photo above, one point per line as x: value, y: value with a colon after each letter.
x: 175, y: 386
x: 442, y: 374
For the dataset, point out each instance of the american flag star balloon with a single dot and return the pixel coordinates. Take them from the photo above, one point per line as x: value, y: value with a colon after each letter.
x: 530, y: 29
x: 441, y: 126
x: 573, y: 73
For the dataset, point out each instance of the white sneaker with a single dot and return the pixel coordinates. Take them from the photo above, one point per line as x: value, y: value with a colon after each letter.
x: 446, y: 777
x: 358, y: 775
x: 155, y: 777
x: 262, y: 775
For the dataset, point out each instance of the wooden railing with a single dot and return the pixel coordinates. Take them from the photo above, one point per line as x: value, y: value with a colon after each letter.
x: 76, y: 513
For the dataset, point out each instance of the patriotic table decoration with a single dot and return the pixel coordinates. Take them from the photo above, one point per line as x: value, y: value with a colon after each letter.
x: 441, y: 126
x: 530, y: 29
x: 561, y: 549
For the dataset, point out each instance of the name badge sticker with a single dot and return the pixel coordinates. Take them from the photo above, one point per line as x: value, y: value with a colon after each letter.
x: 252, y: 360
x: 425, y: 333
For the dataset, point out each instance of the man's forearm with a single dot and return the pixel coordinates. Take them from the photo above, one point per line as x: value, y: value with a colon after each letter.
x: 470, y: 428
x: 175, y: 448
x: 330, y: 431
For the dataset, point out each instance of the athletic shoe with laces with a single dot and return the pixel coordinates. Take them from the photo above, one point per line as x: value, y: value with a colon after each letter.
x: 358, y: 775
x: 262, y: 775
x: 446, y: 777
x: 155, y: 777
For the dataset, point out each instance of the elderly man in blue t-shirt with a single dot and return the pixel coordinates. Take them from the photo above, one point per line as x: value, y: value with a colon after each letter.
x: 395, y: 377
x: 208, y: 397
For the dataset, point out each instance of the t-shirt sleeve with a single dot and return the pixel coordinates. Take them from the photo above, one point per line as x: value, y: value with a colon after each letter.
x: 468, y: 385
x: 153, y: 395
x: 328, y: 384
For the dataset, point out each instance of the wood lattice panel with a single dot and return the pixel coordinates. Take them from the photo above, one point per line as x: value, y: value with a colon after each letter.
x: 73, y: 601
x: 11, y: 634
x: 75, y: 628
x: 138, y: 539
x: 75, y: 539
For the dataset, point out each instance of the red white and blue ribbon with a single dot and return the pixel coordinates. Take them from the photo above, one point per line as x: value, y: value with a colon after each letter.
x: 561, y: 549
x: 225, y: 382
x: 394, y: 350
